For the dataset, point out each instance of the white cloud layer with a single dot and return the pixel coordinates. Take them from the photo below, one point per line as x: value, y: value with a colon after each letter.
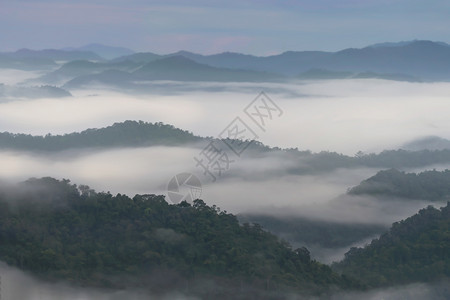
x: 344, y: 116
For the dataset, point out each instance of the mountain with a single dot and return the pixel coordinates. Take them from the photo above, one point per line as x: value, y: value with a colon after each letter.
x: 26, y: 63
x: 174, y: 68
x: 128, y: 134
x: 414, y: 250
x: 106, y: 52
x: 142, y: 134
x: 8, y: 92
x: 79, y: 68
x: 184, y: 69
x: 288, y: 63
x: 147, y: 66
x: 310, y: 163
x: 230, y: 60
x: 429, y: 142
x: 406, y: 61
x: 420, y: 60
x: 429, y: 185
x: 401, y: 44
x: 392, y: 44
x: 141, y: 57
x: 57, y: 230
x: 109, y: 79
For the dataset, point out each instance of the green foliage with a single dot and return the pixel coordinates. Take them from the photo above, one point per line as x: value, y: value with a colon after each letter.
x: 414, y: 250
x: 128, y: 133
x: 58, y: 230
x: 142, y: 134
x: 430, y: 185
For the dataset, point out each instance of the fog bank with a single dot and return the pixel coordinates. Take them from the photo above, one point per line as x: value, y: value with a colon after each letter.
x: 337, y: 115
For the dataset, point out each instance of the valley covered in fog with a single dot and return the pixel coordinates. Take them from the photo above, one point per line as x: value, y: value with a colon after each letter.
x: 349, y: 117
x: 290, y: 175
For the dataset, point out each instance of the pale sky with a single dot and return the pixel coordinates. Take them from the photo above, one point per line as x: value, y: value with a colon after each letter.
x: 209, y: 26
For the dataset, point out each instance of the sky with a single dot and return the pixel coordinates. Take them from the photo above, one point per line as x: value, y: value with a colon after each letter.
x: 260, y: 27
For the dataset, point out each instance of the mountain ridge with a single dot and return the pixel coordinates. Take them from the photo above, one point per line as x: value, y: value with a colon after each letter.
x: 419, y: 60
x: 416, y: 249
x: 141, y: 134
x: 412, y: 58
x: 174, y: 68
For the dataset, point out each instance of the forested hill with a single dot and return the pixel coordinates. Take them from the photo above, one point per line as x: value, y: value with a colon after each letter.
x: 143, y: 134
x: 429, y: 185
x: 57, y: 230
x: 414, y: 250
x: 126, y: 134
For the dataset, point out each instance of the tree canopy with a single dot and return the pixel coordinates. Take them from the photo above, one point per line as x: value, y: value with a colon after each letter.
x: 430, y: 185
x: 416, y: 249
x: 56, y: 229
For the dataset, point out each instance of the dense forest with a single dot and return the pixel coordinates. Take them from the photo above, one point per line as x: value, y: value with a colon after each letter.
x: 429, y: 185
x: 414, y: 250
x: 126, y: 134
x: 58, y: 230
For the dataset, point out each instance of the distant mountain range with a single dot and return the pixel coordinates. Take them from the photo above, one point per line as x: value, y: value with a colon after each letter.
x: 28, y: 59
x: 177, y: 68
x: 79, y: 68
x: 7, y: 92
x: 8, y: 61
x: 409, y: 61
x: 429, y: 142
x: 403, y: 43
x: 422, y: 59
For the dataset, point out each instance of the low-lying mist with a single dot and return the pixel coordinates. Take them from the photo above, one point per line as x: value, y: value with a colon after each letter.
x: 12, y: 76
x: 14, y: 280
x: 417, y: 291
x: 338, y: 115
x: 260, y: 184
x: 343, y: 116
